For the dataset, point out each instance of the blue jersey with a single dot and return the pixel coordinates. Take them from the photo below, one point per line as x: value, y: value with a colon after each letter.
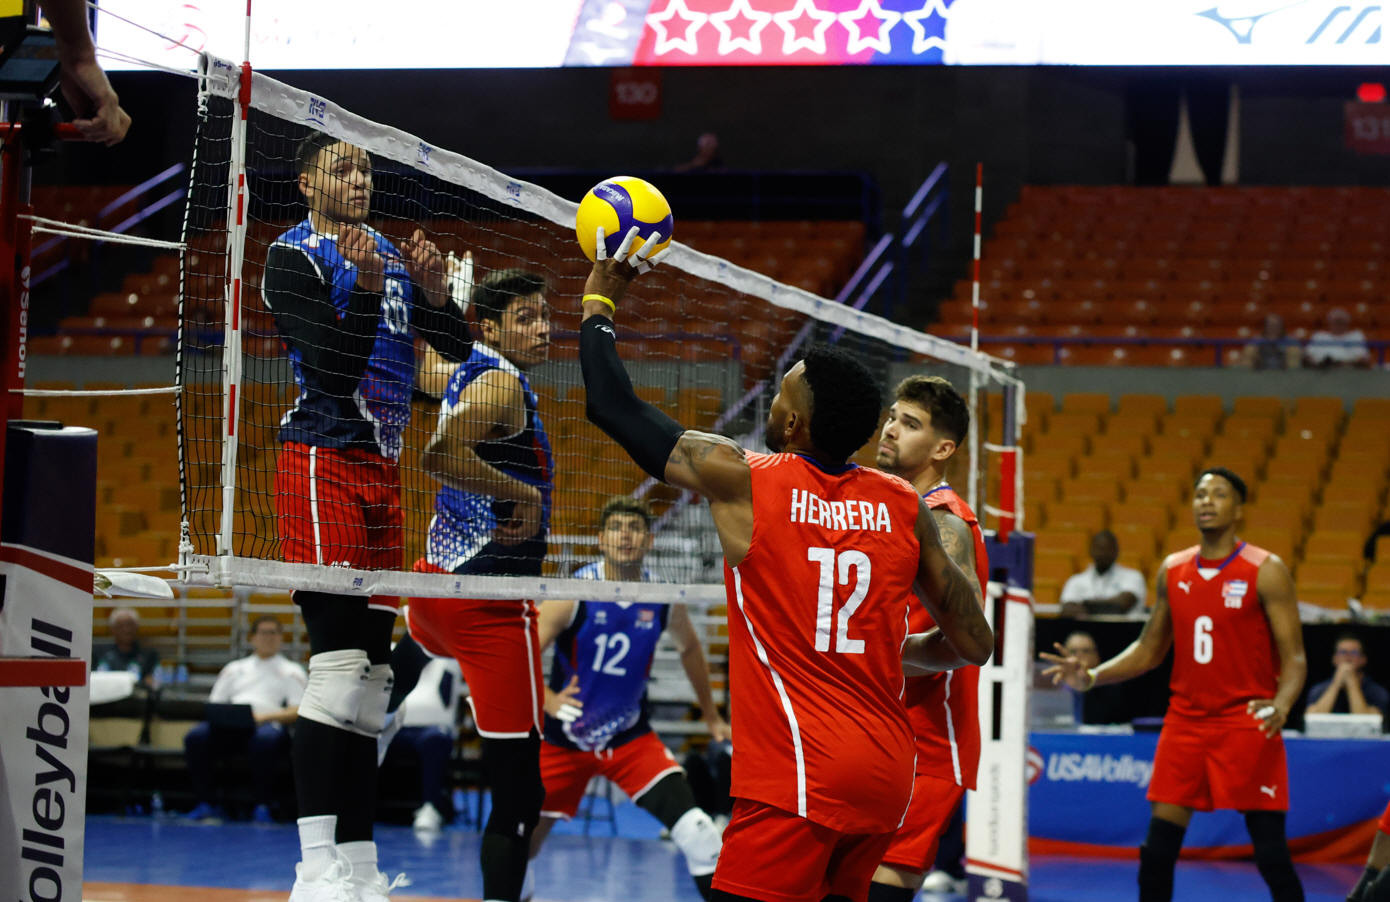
x: 375, y: 414
x: 609, y: 645
x: 460, y: 539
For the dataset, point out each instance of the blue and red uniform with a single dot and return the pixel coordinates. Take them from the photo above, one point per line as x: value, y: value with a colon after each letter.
x: 609, y: 646
x: 353, y: 357
x: 495, y: 641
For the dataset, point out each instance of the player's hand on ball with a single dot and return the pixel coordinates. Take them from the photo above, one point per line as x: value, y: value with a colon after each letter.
x: 565, y: 704
x: 1269, y: 713
x: 427, y: 267
x: 358, y: 247
x: 611, y: 275
x: 1066, y: 668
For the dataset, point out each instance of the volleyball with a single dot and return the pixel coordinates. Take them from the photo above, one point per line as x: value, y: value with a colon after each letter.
x: 618, y: 204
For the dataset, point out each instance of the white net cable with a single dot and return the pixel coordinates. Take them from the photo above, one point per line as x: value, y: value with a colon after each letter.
x: 704, y: 339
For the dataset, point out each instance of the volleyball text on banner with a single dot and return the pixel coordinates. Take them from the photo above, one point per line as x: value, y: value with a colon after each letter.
x: 46, y: 561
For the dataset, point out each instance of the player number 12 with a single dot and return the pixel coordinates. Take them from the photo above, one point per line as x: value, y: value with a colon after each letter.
x: 825, y: 597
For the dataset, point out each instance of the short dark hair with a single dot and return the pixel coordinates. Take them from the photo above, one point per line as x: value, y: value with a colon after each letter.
x: 1229, y: 475
x: 625, y: 504
x: 306, y: 157
x: 492, y: 295
x: 1105, y: 534
x: 267, y: 618
x: 938, y: 397
x: 1348, y: 636
x: 845, y: 400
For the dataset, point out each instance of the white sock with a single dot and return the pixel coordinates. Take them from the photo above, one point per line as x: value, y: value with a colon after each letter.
x: 362, y: 856
x: 316, y: 843
x: 528, y: 886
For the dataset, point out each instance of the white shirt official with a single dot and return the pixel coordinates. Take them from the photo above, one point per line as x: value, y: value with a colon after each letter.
x: 266, y: 684
x: 1088, y: 585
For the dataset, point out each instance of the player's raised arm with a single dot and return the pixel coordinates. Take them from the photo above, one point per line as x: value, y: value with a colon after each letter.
x: 490, y: 407
x: 440, y: 323
x: 952, y: 596
x: 1277, y: 594
x: 711, y: 465
x: 1142, y: 655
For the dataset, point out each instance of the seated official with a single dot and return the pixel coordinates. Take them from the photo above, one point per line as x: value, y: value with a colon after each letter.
x: 272, y: 686
x: 1349, y: 691
x: 1105, y: 587
x: 1103, y: 704
x: 125, y: 653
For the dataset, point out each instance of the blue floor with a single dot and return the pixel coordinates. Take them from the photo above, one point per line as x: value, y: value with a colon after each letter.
x: 634, y: 866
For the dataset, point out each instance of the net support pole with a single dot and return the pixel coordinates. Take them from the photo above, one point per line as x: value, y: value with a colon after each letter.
x: 973, y: 485
x: 1010, y: 469
x: 231, y: 350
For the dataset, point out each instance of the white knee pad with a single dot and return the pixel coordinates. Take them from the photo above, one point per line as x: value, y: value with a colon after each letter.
x: 371, y: 713
x: 337, y: 684
x: 698, y: 839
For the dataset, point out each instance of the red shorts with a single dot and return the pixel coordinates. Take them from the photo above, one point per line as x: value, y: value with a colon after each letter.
x: 934, y: 800
x: 773, y: 855
x: 634, y: 766
x: 1219, y: 765
x: 340, y: 507
x: 498, y: 648
x: 1384, y: 825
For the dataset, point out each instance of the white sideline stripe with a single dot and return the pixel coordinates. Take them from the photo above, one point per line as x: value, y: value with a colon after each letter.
x: 314, y: 502
x: 232, y: 570
x: 951, y: 730
x: 781, y: 691
x: 291, y: 104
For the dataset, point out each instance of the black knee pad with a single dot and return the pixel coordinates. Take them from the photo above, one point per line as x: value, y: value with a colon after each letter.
x: 1158, y: 856
x: 513, y: 768
x: 1272, y: 855
x: 670, y: 798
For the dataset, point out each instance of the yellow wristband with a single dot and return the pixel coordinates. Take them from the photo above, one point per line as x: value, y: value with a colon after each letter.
x: 612, y: 307
x: 1091, y: 672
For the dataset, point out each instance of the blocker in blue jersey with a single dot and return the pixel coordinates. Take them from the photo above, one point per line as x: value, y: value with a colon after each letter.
x: 348, y: 305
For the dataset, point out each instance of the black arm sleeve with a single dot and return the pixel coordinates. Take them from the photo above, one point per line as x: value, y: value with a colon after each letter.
x: 646, y: 434
x: 445, y: 328
x: 332, y: 351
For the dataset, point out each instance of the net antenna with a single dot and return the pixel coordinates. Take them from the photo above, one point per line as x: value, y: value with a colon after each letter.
x: 700, y: 335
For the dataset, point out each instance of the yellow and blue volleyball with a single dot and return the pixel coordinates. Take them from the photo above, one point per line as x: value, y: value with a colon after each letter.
x: 618, y: 204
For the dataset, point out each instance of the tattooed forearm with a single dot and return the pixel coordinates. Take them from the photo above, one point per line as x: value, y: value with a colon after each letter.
x: 959, y: 544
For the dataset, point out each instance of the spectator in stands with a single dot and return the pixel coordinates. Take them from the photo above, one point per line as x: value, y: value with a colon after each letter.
x: 425, y: 725
x: 125, y: 653
x: 1088, y: 707
x: 1105, y: 587
x: 272, y: 686
x: 707, y: 157
x: 1273, y: 350
x: 1349, y: 691
x: 1337, y: 346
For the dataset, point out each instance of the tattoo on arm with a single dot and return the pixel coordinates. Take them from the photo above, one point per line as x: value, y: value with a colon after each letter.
x: 959, y: 544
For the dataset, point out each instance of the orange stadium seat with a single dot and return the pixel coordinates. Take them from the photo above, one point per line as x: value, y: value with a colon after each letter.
x: 1333, y: 546
x: 1209, y: 407
x: 1088, y: 518
x: 1107, y: 465
x: 1338, y: 578
x: 1086, y: 402
x: 1283, y: 542
x: 1136, y: 426
x: 1075, y: 542
x: 1358, y: 516
x: 1156, y: 517
x: 1087, y: 489
x: 1190, y: 427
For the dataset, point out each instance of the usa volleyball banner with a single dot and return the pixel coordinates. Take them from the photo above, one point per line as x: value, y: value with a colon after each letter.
x: 423, y: 34
x: 46, y: 568
x: 1337, y: 790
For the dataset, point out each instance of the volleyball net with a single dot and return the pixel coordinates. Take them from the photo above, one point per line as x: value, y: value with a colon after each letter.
x: 704, y: 339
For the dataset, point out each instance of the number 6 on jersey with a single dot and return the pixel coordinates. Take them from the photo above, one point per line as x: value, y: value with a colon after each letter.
x: 825, y: 597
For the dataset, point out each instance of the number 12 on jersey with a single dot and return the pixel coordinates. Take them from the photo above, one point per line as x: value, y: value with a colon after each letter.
x: 825, y: 596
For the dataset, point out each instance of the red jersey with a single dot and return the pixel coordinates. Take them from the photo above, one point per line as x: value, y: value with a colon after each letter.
x: 944, y: 707
x: 1223, y: 649
x: 817, y: 619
